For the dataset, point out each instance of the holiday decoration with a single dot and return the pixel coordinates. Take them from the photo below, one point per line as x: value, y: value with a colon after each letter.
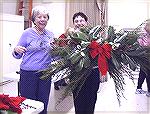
x: 116, y: 53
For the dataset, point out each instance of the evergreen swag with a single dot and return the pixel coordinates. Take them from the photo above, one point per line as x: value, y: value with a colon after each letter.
x: 116, y: 53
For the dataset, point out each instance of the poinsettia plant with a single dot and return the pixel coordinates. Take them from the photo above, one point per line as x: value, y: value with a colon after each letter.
x: 115, y: 53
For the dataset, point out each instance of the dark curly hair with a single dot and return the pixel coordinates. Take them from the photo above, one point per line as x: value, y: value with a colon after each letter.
x: 80, y: 14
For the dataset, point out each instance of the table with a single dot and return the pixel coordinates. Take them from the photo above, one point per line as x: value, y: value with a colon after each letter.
x: 28, y: 106
x: 34, y: 107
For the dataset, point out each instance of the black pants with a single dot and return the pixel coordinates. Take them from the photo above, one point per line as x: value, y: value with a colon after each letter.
x: 32, y: 87
x: 142, y: 77
x: 85, y: 101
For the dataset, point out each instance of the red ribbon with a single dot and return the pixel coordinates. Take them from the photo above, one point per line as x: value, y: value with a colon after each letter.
x: 103, y: 52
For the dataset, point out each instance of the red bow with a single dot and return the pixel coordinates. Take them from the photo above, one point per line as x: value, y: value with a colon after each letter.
x: 103, y: 52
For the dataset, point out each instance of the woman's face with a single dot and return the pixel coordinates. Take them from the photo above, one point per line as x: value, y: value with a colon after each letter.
x: 79, y: 22
x: 41, y: 20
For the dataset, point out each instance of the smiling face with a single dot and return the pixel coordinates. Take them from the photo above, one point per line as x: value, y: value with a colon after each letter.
x: 40, y: 17
x: 41, y: 21
x: 79, y: 22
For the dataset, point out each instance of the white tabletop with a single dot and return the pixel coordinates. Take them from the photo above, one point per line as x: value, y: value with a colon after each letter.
x: 28, y: 106
x: 11, y: 76
x: 31, y: 106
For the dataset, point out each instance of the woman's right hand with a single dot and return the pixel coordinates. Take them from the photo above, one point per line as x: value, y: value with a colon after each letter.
x: 20, y: 49
x: 69, y: 30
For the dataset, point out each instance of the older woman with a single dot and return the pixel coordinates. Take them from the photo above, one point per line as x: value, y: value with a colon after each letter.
x: 33, y: 47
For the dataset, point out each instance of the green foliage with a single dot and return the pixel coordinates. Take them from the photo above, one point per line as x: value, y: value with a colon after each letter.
x: 111, y: 34
x: 126, y: 56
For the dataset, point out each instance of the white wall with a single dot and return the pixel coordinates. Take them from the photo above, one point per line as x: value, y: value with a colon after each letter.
x: 127, y: 13
x: 56, y: 22
x: 56, y: 9
x: 8, y: 6
x: 1, y: 58
x: 12, y: 27
x: 121, y: 13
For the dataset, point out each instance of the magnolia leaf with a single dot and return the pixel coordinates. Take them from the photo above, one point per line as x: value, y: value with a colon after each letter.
x: 96, y: 32
x: 131, y: 62
x: 87, y: 62
x: 93, y: 29
x: 75, y: 57
x: 79, y: 66
x: 131, y: 38
x: 85, y: 29
x: 115, y: 61
x: 137, y: 52
x: 111, y: 34
x: 60, y: 51
x: 121, y: 39
x: 127, y: 60
x: 80, y: 36
x: 124, y: 59
x: 84, y: 44
x: 47, y: 74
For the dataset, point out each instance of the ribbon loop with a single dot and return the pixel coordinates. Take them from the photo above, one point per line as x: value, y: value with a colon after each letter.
x: 103, y: 52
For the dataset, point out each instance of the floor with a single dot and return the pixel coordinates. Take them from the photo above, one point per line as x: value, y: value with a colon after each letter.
x: 107, y: 102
